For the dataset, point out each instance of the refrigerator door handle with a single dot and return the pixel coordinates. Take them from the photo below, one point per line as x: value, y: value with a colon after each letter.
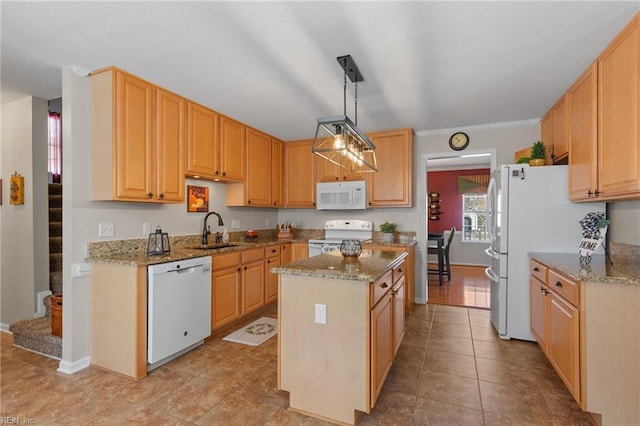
x: 493, y: 277
x: 492, y: 253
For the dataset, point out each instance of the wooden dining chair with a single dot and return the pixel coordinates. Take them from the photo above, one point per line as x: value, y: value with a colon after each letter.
x: 447, y: 261
x: 442, y: 251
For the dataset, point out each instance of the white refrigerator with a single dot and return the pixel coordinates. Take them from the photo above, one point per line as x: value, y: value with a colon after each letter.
x: 528, y: 210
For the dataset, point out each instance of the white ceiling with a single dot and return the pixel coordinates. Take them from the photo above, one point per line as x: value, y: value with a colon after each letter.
x: 426, y: 65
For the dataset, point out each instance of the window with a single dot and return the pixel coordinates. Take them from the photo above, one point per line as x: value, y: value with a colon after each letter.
x: 55, y: 146
x: 474, y: 221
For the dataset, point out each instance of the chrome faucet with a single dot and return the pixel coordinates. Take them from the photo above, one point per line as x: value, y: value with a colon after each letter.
x: 205, y: 229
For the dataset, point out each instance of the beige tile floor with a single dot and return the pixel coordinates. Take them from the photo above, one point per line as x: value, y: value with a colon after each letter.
x: 451, y: 370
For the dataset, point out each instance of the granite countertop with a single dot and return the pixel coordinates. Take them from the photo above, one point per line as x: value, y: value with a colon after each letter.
x: 135, y: 255
x: 622, y: 271
x: 368, y: 267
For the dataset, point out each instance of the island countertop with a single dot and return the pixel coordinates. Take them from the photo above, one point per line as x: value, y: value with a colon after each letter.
x: 368, y: 267
x: 599, y: 269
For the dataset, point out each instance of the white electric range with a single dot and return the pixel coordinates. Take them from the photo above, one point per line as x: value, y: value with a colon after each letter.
x: 337, y: 230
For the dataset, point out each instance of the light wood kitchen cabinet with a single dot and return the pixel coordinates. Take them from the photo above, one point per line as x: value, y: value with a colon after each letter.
x: 215, y: 145
x: 253, y: 280
x: 256, y: 190
x: 619, y: 115
x: 558, y: 151
x: 137, y: 139
x: 277, y: 172
x: 604, y: 134
x: 329, y: 172
x: 408, y: 265
x: 547, y: 129
x: 583, y: 139
x: 382, y: 341
x: 299, y: 251
x: 555, y: 322
x: 391, y: 185
x: 225, y: 289
x: 299, y: 174
x: 273, y: 259
x: 398, y: 292
x: 285, y: 253
x: 203, y: 130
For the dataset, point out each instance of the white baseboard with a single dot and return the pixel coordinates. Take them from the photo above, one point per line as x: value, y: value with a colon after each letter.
x: 67, y: 367
x: 4, y: 328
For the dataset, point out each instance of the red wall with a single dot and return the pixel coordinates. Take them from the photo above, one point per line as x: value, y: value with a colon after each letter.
x: 446, y: 183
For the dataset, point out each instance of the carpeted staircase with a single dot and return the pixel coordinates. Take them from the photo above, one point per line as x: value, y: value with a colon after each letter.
x: 35, y: 334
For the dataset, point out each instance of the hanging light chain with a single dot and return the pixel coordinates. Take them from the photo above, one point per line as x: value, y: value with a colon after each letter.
x: 356, y: 98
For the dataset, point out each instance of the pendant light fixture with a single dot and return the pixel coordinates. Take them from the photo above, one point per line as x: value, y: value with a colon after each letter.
x: 338, y: 139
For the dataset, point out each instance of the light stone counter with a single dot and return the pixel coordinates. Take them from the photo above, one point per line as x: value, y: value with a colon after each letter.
x: 368, y: 267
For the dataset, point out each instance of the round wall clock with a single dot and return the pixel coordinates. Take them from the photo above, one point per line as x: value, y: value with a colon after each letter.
x: 459, y: 141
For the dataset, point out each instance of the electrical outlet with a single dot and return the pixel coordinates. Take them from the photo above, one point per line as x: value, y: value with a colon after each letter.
x: 267, y: 223
x: 106, y: 229
x: 235, y: 224
x: 146, y: 228
x: 321, y: 313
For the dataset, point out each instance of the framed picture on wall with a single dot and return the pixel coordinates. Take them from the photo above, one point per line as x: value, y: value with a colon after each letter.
x: 197, y: 198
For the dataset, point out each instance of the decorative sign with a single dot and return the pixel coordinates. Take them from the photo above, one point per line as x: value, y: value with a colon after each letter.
x: 197, y: 198
x: 16, y: 186
x: 589, y: 245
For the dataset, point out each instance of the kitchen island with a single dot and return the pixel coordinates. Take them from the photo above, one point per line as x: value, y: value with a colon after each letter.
x: 340, y: 324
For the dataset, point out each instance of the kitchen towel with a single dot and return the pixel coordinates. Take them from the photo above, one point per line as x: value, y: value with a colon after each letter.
x: 256, y: 333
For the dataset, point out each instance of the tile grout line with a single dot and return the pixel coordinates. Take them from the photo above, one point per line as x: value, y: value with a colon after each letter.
x: 475, y: 362
x: 424, y: 359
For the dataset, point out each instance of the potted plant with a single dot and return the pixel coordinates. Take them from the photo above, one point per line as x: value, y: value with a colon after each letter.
x: 388, y: 228
x: 537, y: 157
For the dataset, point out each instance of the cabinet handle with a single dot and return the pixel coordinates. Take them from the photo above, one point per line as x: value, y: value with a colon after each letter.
x: 224, y: 173
x: 589, y: 194
x: 536, y: 269
x: 268, y: 261
x: 248, y: 201
x: 216, y: 173
x: 344, y: 178
x: 239, y: 269
x: 337, y: 177
x: 558, y: 284
x: 369, y: 202
x: 384, y: 285
x: 399, y: 269
x: 150, y: 195
x: 274, y: 203
x: 161, y: 196
x: 273, y: 250
x: 596, y: 192
x: 245, y: 268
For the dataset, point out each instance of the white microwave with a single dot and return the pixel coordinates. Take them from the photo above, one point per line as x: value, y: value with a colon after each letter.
x: 351, y: 195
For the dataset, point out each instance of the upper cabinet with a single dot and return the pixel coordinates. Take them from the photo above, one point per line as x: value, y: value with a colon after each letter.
x: 299, y: 174
x: 329, y: 172
x: 391, y: 185
x: 257, y: 188
x: 137, y: 139
x: 215, y: 145
x: 618, y: 115
x: 560, y: 147
x: 277, y: 165
x: 547, y: 132
x: 583, y: 135
x: 604, y: 157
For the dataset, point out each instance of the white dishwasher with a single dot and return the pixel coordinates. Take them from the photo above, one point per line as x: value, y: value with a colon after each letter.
x: 178, y: 309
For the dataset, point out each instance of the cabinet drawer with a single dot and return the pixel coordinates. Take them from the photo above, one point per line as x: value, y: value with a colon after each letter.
x: 252, y: 255
x: 538, y: 270
x: 565, y: 288
x: 226, y: 260
x: 380, y: 288
x: 272, y: 251
x: 399, y: 271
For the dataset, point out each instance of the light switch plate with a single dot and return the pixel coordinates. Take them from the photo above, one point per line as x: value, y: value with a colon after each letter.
x: 235, y: 224
x: 146, y: 228
x: 106, y: 229
x: 321, y: 313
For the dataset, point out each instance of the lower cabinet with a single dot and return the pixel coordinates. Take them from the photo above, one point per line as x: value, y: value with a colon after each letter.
x: 382, y: 342
x: 299, y: 251
x: 409, y: 270
x: 272, y: 259
x: 237, y: 285
x: 398, y: 313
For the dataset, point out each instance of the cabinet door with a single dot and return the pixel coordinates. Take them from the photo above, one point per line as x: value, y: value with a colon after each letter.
x: 547, y: 128
x: 252, y: 286
x: 285, y: 252
x: 171, y: 142
x: 271, y: 282
x: 232, y: 149
x: 258, y: 182
x: 582, y: 136
x: 391, y: 185
x: 277, y: 158
x: 299, y: 175
x: 538, y: 311
x: 560, y: 147
x: 381, y: 344
x: 563, y: 344
x: 299, y: 251
x: 202, y: 142
x: 135, y: 139
x: 618, y: 114
x: 329, y: 172
x: 398, y: 314
x: 225, y: 296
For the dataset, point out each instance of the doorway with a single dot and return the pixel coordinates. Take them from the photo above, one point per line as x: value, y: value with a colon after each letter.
x: 468, y: 287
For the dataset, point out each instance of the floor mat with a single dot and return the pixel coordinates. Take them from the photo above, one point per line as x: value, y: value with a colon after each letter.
x: 256, y: 333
